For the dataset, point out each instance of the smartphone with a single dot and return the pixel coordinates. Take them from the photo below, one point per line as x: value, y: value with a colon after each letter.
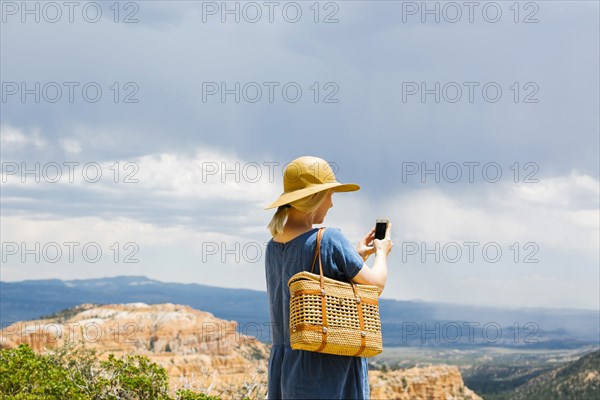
x: 380, y: 228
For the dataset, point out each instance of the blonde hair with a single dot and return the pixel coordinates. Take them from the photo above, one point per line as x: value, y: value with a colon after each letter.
x: 307, y: 205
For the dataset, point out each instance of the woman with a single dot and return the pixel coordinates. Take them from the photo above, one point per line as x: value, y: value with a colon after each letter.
x: 309, y: 184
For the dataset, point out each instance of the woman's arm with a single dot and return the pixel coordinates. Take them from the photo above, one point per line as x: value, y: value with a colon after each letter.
x: 377, y: 275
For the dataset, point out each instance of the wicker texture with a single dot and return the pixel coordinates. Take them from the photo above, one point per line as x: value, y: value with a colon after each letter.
x: 331, y: 316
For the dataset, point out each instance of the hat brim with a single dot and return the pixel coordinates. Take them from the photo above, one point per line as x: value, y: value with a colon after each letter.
x: 287, y: 198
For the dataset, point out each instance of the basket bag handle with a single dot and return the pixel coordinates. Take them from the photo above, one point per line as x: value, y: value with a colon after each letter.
x: 318, y: 253
x: 324, y: 301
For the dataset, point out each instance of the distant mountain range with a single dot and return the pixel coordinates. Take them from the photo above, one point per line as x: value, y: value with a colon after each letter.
x: 404, y: 323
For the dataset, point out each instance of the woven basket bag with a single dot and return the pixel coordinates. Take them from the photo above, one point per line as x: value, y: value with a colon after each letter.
x: 331, y: 316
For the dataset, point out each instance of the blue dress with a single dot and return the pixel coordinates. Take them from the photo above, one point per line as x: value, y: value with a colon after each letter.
x: 299, y: 374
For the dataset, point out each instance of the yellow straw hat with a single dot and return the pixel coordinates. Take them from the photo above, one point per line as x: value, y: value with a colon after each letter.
x: 308, y: 175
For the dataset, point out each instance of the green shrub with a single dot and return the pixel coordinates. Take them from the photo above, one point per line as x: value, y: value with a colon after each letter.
x: 71, y: 372
x: 188, y: 395
x: 26, y: 375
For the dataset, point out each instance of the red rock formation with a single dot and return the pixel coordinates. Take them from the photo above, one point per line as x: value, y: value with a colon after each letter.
x: 197, y: 349
x: 440, y: 382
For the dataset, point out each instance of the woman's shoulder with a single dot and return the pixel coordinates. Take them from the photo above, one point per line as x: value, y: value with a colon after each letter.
x: 333, y: 231
x: 333, y: 234
x: 335, y: 239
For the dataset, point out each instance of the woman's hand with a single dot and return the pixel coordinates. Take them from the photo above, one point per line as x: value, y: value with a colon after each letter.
x: 377, y: 275
x: 365, y: 247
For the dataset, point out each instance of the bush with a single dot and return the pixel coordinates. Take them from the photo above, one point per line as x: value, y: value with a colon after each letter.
x: 71, y: 372
x: 25, y: 375
x: 189, y: 395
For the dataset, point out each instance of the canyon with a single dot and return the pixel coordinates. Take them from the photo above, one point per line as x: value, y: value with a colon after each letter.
x: 204, y: 353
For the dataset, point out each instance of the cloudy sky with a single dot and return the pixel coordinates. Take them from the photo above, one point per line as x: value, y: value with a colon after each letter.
x: 146, y: 138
